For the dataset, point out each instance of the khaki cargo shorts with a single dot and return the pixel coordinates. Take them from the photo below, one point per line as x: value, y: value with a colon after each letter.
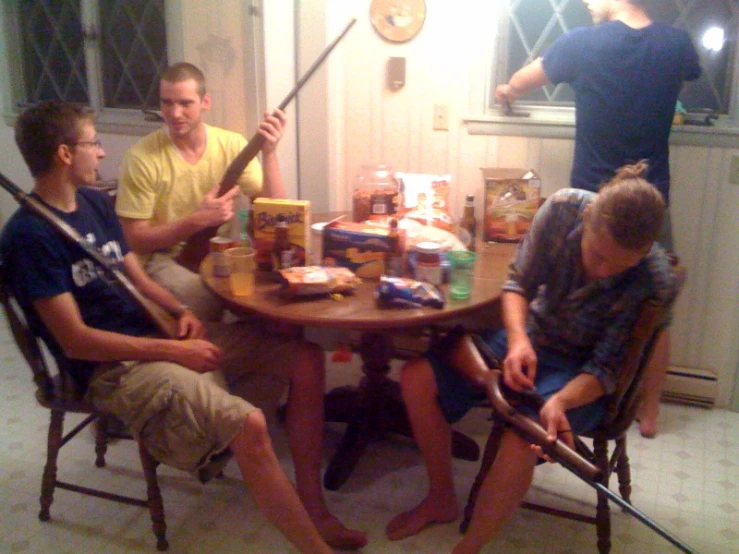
x: 182, y: 417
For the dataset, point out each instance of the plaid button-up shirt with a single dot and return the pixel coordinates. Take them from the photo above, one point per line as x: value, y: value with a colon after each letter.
x: 588, y: 322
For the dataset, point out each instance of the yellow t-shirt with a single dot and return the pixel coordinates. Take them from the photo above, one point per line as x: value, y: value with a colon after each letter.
x: 157, y: 183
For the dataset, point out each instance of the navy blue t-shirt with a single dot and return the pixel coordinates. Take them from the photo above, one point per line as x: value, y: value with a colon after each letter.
x: 626, y: 84
x: 38, y: 262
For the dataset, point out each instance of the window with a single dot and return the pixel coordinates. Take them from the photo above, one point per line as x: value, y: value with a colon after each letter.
x: 530, y: 26
x: 103, y: 53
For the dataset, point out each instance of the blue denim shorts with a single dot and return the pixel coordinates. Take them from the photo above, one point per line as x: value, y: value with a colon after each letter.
x: 457, y: 395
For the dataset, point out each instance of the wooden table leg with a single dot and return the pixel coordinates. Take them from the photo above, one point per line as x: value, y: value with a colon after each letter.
x: 372, y: 410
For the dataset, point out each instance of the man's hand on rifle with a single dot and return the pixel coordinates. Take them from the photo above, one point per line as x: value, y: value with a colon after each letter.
x: 215, y: 210
x: 553, y: 419
x: 272, y: 128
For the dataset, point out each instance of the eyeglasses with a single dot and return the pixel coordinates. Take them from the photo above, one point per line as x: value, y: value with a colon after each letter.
x: 95, y: 143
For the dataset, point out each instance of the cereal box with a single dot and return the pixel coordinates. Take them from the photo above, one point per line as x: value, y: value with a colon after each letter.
x: 360, y: 247
x: 297, y: 214
x: 511, y: 201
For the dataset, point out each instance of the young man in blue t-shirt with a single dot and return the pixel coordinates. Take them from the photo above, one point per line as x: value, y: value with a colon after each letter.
x: 170, y: 392
x: 627, y: 73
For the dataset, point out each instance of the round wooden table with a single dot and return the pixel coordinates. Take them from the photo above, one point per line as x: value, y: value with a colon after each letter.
x: 375, y: 406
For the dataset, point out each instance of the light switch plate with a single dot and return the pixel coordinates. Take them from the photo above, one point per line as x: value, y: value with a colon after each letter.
x: 441, y: 117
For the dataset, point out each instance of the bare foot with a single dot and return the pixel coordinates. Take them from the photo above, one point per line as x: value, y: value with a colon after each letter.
x: 416, y: 520
x: 648, y: 422
x: 647, y: 427
x: 335, y: 533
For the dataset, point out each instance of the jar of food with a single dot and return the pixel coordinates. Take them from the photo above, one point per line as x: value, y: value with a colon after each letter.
x: 375, y: 193
x: 428, y: 262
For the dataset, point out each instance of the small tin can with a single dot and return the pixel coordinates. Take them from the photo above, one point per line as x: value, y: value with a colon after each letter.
x: 428, y: 263
x: 218, y: 247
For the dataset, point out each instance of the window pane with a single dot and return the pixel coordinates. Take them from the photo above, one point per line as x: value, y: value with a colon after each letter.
x: 703, y: 20
x: 535, y: 24
x: 52, y: 51
x: 134, y: 52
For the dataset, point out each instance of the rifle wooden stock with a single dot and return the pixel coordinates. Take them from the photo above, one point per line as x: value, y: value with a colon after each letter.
x: 166, y: 324
x: 197, y: 246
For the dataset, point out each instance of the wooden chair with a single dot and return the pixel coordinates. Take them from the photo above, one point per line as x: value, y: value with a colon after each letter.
x: 55, y: 392
x: 622, y: 409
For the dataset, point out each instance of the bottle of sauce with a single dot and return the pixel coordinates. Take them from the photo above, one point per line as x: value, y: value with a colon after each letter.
x: 468, y: 221
x: 282, y: 250
x: 394, y: 263
x: 375, y: 194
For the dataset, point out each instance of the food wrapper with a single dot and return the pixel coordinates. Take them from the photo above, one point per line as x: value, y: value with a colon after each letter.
x: 312, y: 279
x: 426, y: 199
x: 408, y: 293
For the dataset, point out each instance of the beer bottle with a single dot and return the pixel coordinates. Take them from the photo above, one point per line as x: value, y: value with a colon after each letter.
x: 282, y: 250
x: 245, y: 239
x: 394, y: 260
x: 468, y: 221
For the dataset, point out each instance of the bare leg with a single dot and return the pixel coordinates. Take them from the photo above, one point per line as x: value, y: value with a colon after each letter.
x: 434, y: 437
x: 305, y: 434
x: 271, y: 489
x: 653, y: 380
x: 501, y: 493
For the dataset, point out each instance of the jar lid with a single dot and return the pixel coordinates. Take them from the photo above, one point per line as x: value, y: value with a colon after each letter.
x: 428, y: 247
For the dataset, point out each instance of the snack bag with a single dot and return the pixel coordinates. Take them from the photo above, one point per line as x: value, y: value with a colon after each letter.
x: 425, y: 198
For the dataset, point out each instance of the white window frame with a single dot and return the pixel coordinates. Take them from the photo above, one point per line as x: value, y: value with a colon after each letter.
x: 558, y: 121
x: 108, y: 120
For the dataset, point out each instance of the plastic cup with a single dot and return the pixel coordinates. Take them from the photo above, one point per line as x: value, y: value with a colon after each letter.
x: 462, y: 265
x: 242, y: 265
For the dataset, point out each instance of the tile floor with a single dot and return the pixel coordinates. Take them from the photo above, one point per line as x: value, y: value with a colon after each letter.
x: 687, y: 479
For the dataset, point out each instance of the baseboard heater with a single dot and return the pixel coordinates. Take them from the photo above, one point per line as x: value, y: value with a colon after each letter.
x: 687, y: 385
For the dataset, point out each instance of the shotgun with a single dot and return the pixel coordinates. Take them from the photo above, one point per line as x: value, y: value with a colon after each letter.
x: 166, y: 324
x: 197, y: 246
x: 474, y: 360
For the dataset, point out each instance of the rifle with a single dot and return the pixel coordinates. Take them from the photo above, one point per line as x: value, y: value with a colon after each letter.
x: 471, y: 357
x: 166, y: 324
x: 197, y: 246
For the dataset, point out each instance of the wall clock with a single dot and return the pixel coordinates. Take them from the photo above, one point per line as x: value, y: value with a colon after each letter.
x: 398, y: 20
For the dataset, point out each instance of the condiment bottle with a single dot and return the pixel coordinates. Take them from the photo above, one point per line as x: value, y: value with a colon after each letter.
x: 468, y: 221
x: 428, y: 262
x: 375, y: 194
x: 394, y: 262
x: 282, y: 250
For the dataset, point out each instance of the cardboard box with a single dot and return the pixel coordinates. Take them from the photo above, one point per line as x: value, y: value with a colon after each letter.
x: 297, y: 214
x: 360, y: 247
x: 511, y: 201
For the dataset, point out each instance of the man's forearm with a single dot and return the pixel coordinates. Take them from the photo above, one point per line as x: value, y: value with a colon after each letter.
x: 145, y: 237
x: 528, y: 78
x: 515, y: 310
x: 273, y: 185
x: 581, y: 390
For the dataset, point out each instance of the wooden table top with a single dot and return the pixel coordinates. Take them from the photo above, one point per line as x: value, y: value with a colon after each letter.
x: 359, y: 311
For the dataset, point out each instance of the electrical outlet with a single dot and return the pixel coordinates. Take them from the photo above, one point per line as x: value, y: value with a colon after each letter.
x: 441, y: 117
x: 734, y: 170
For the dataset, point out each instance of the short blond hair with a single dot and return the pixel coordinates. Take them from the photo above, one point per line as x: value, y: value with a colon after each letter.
x: 630, y: 208
x: 183, y: 71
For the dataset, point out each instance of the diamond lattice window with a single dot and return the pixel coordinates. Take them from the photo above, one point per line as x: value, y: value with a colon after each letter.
x: 105, y: 53
x: 534, y: 24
